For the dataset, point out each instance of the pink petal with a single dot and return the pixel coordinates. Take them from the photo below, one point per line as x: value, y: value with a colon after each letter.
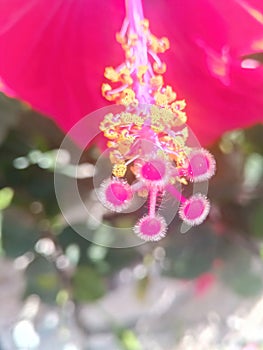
x: 53, y: 55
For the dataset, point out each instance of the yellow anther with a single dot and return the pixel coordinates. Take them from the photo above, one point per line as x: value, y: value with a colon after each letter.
x: 145, y: 24
x: 161, y: 99
x: 182, y: 180
x: 116, y: 157
x: 171, y: 95
x: 111, y: 144
x: 124, y: 147
x: 132, y: 39
x: 105, y: 88
x: 182, y: 159
x: 185, y: 133
x: 111, y: 74
x: 167, y: 117
x: 126, y: 118
x: 178, y: 142
x: 140, y: 73
x: 138, y: 120
x: 127, y: 97
x: 108, y: 122
x: 125, y: 77
x: 125, y: 136
x: 180, y: 104
x: 164, y: 45
x: 170, y: 115
x: 110, y: 134
x: 129, y: 55
x: 156, y: 82
x: 119, y: 170
x: 153, y: 43
x: 157, y: 128
x: 120, y: 39
x: 155, y: 118
x: 159, y: 69
x: 162, y: 115
x: 182, y: 117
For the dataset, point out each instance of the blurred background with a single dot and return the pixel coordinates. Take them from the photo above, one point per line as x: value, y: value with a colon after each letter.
x: 199, y: 290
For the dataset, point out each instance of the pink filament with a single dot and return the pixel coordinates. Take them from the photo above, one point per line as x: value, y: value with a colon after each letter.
x: 135, y: 17
x: 175, y: 193
x: 152, y: 201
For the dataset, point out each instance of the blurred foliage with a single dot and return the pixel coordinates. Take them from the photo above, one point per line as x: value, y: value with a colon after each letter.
x: 42, y: 280
x: 191, y: 254
x: 6, y: 195
x: 240, y: 273
x: 29, y: 213
x: 87, y: 284
x: 128, y: 339
x: 19, y: 232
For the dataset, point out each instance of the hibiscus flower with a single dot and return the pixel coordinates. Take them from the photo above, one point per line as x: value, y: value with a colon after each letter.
x: 53, y: 55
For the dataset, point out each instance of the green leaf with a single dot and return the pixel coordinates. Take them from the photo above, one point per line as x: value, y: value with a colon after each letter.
x: 19, y: 232
x: 256, y: 221
x: 43, y: 280
x: 6, y: 196
x: 254, y: 140
x: 129, y: 340
x: 87, y: 284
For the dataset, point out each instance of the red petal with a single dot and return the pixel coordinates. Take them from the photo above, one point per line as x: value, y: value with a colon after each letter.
x: 53, y: 55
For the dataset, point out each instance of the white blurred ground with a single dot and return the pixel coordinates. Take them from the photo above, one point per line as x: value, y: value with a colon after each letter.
x: 170, y: 317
